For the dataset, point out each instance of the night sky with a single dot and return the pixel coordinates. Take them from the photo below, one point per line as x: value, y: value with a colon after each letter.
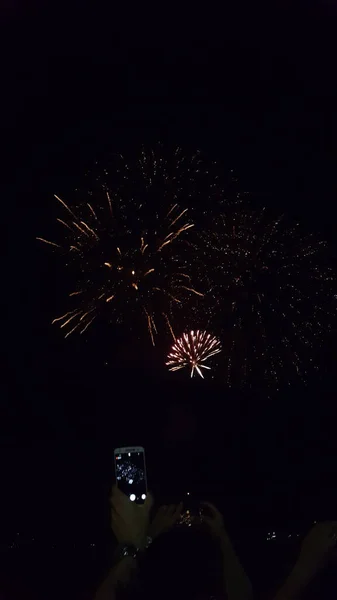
x: 256, y: 92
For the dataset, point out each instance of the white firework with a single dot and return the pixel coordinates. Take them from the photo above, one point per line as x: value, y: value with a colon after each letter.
x: 192, y: 350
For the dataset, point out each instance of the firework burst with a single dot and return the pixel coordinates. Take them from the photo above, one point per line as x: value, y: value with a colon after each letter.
x: 192, y: 350
x: 271, y: 294
x: 125, y: 239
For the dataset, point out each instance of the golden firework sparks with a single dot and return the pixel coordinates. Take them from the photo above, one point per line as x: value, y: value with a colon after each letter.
x: 192, y: 290
x: 91, y: 230
x: 65, y: 206
x: 91, y: 235
x: 76, y: 293
x: 48, y: 242
x: 92, y: 210
x: 109, y: 202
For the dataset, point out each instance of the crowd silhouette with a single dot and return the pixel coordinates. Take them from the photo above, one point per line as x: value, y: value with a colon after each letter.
x: 155, y: 558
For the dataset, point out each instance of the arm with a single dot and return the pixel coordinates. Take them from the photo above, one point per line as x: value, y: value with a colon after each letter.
x: 317, y: 548
x: 237, y: 584
x: 130, y: 523
x: 121, y: 573
x: 295, y: 583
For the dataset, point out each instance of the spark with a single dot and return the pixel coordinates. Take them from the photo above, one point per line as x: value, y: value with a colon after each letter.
x: 169, y: 235
x: 164, y: 244
x: 150, y: 326
x: 87, y: 313
x: 65, y: 225
x: 48, y: 242
x: 107, y: 264
x: 148, y: 272
x: 178, y: 217
x: 73, y: 329
x: 173, y: 297
x: 65, y: 206
x: 110, y: 298
x: 70, y: 319
x: 171, y: 209
x: 192, y: 290
x: 80, y: 229
x: 169, y: 325
x: 92, y: 210
x: 63, y: 316
x: 91, y: 230
x: 109, y: 202
x: 184, y: 228
x: 87, y: 325
x: 143, y: 245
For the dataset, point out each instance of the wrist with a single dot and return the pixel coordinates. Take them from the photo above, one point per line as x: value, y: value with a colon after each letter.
x: 298, y: 579
x: 224, y: 539
x: 306, y: 568
x: 137, y: 541
x: 132, y: 549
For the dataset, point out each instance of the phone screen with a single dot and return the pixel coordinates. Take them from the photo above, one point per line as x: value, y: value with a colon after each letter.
x: 131, y: 472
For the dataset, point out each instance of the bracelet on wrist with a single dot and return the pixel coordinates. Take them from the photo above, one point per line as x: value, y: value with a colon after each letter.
x: 131, y: 550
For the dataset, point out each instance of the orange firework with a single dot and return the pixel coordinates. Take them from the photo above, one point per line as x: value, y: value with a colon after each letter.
x: 127, y: 247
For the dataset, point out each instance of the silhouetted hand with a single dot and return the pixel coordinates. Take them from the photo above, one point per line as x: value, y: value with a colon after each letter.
x: 129, y: 521
x: 317, y: 548
x: 164, y: 519
x: 236, y: 583
x: 213, y: 520
x: 318, y: 545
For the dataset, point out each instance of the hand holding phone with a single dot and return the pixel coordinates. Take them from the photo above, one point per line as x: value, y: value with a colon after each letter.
x: 213, y: 520
x: 165, y: 518
x: 129, y: 521
x: 191, y: 512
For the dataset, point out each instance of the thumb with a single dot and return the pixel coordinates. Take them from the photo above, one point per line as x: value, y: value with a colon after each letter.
x: 148, y: 502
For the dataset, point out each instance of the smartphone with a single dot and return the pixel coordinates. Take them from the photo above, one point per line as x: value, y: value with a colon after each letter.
x: 130, y: 472
x: 192, y: 510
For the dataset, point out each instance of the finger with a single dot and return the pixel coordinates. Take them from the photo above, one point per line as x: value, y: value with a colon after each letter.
x: 171, y: 510
x: 333, y: 556
x: 333, y: 533
x: 117, y: 495
x: 148, y: 502
x: 214, y: 511
x: 115, y: 511
x: 118, y: 498
x: 208, y: 521
x: 178, y: 510
x: 113, y: 492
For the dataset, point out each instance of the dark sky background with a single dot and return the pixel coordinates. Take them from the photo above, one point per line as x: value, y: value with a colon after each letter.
x: 255, y: 89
